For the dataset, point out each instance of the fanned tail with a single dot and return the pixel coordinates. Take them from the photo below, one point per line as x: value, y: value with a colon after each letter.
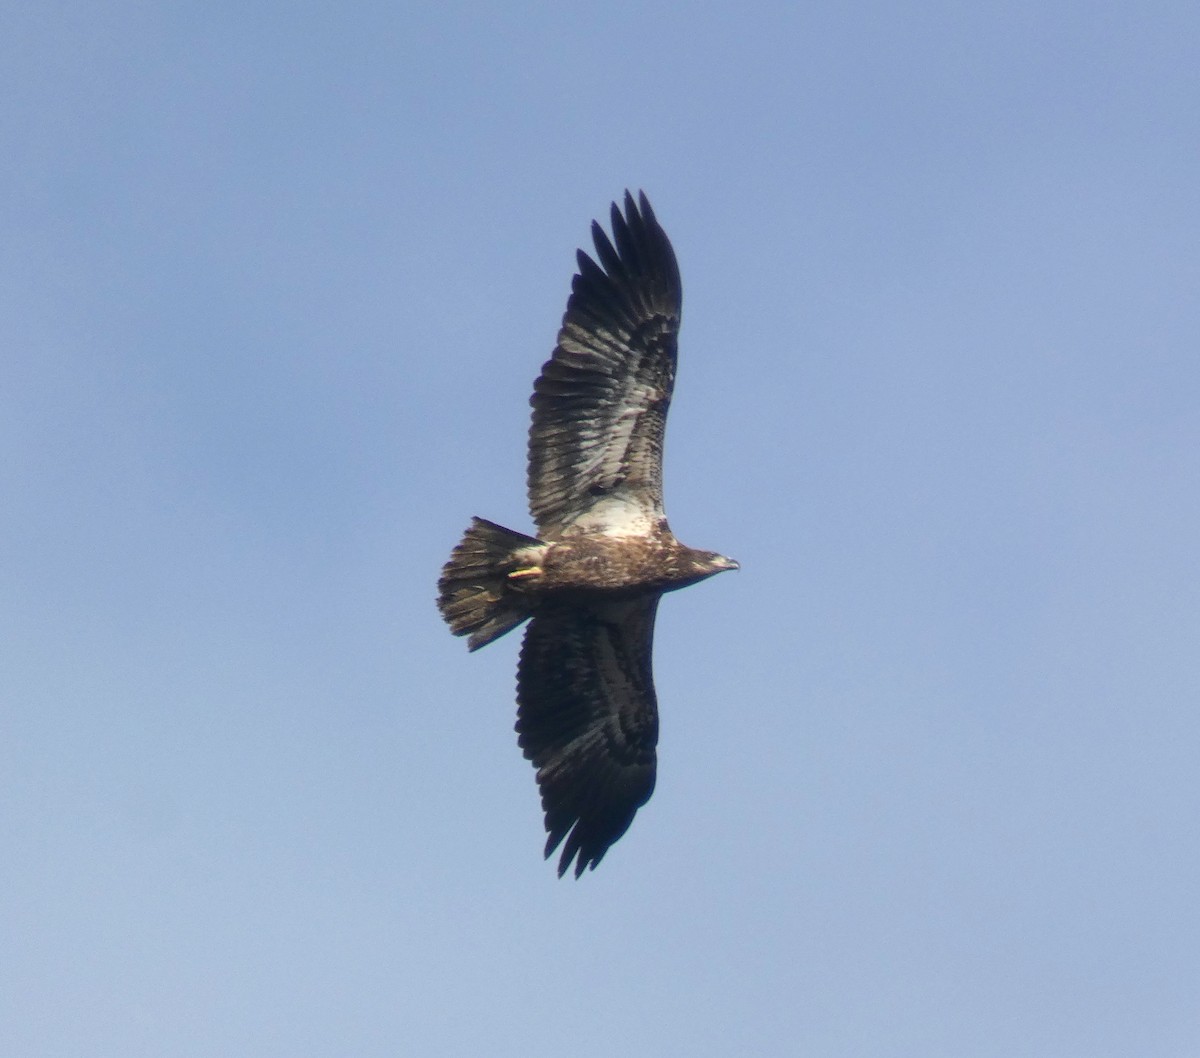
x: 474, y: 591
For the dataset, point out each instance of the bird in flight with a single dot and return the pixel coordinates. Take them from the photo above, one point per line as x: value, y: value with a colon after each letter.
x: 590, y: 581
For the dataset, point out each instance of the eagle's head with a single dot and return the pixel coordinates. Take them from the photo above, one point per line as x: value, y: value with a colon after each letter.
x: 718, y: 563
x: 693, y: 566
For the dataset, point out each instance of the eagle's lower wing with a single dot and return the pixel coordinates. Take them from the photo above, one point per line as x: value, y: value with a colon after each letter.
x: 588, y: 721
x: 600, y: 404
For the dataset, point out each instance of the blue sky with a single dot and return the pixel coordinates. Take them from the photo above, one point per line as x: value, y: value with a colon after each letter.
x: 276, y: 282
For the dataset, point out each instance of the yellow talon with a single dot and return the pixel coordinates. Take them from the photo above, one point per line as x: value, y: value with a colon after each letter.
x: 528, y: 571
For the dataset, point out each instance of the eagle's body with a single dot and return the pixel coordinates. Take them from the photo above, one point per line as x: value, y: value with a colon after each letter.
x: 604, y: 554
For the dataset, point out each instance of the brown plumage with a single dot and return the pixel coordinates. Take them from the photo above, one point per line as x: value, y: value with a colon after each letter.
x: 587, y: 715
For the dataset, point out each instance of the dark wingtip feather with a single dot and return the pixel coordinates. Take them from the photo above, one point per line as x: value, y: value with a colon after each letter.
x: 584, y: 860
x: 584, y: 840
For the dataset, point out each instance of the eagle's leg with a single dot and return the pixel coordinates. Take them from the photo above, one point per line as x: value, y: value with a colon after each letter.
x: 527, y: 571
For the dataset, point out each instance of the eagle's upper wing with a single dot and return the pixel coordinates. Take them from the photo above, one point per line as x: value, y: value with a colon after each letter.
x: 600, y: 404
x: 588, y: 720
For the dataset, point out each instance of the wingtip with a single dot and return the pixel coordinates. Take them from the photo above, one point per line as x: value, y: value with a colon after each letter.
x: 564, y: 861
x: 582, y: 863
x: 572, y: 853
x: 634, y: 208
x: 646, y: 210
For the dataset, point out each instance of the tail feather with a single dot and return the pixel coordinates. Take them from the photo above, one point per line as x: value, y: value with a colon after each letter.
x: 474, y: 593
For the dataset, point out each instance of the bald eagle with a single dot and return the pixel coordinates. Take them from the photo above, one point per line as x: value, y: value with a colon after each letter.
x: 591, y: 579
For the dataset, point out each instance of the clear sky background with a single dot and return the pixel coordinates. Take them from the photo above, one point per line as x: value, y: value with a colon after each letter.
x: 275, y: 282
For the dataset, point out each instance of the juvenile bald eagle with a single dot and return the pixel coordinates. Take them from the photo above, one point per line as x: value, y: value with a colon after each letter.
x: 591, y: 579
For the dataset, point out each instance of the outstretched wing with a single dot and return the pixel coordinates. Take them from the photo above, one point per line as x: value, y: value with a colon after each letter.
x: 600, y: 404
x: 588, y: 720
